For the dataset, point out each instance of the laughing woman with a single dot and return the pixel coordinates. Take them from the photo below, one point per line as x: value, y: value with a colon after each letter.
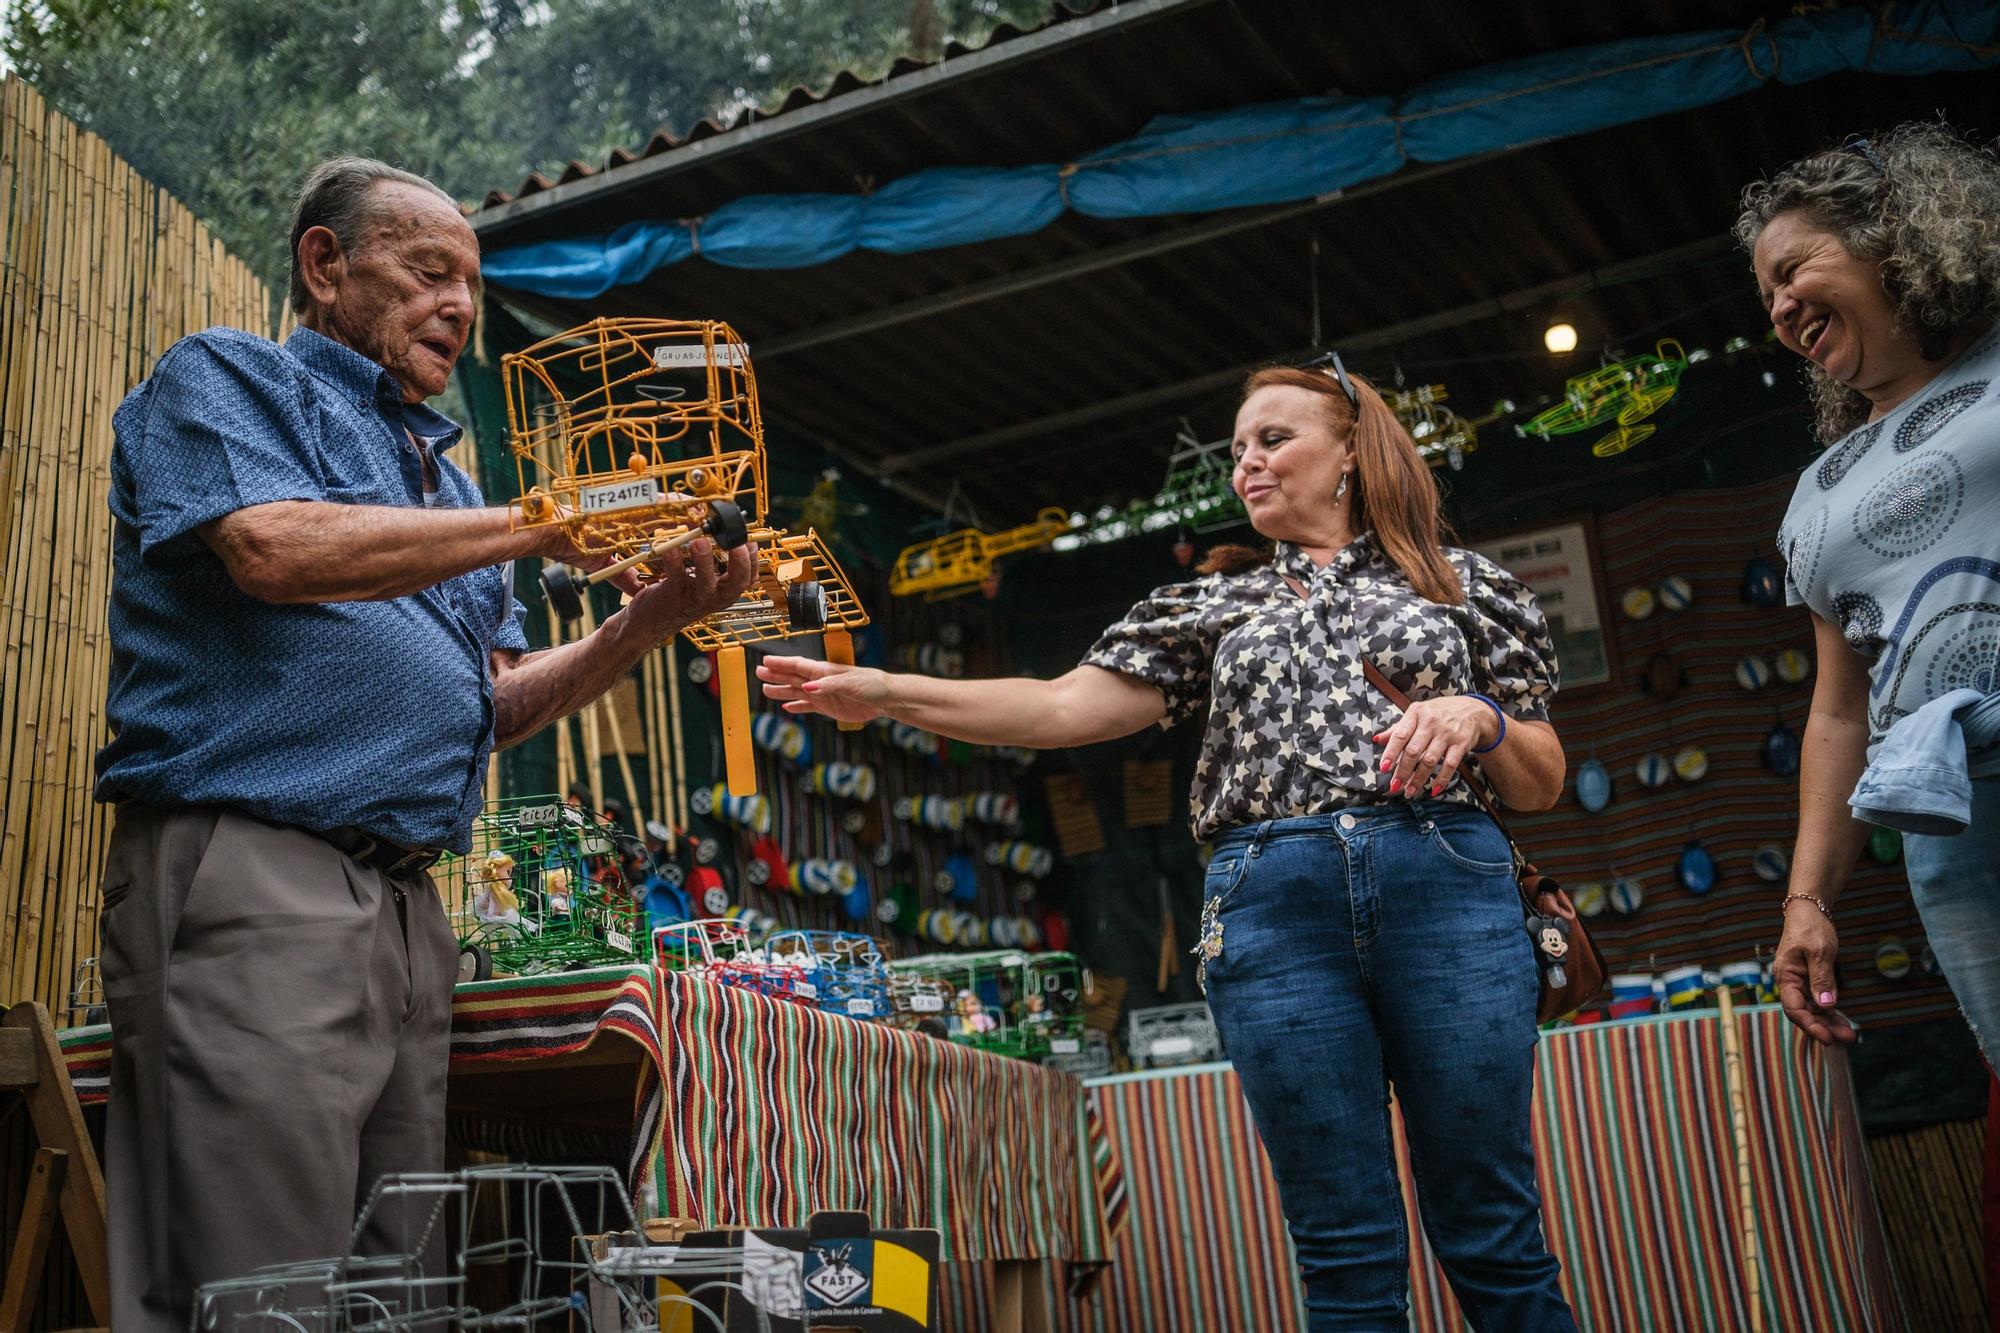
x: 1880, y: 264
x: 1340, y: 822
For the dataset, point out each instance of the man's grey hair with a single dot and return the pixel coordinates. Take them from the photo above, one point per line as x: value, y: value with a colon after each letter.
x: 335, y: 196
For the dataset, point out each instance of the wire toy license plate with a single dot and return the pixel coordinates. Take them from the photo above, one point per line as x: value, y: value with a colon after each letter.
x: 634, y: 494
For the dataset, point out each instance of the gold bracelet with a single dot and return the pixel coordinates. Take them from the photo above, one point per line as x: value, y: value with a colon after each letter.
x: 1807, y: 897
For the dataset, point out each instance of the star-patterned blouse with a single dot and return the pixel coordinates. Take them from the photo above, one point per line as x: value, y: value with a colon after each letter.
x: 1291, y: 718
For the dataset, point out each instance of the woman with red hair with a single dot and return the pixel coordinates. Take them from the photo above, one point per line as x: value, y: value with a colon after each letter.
x: 1362, y: 927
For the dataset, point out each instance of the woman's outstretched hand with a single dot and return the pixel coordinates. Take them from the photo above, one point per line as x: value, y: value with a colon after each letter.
x: 843, y: 693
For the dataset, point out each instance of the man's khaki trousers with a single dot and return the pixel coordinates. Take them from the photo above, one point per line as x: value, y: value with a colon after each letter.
x: 280, y: 1022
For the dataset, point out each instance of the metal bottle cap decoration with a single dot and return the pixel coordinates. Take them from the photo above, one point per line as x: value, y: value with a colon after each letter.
x: 1885, y: 845
x: 1593, y: 786
x: 1663, y: 677
x: 1653, y: 770
x: 1892, y: 958
x: 1761, y: 584
x: 1691, y: 763
x: 1697, y: 868
x: 1781, y: 750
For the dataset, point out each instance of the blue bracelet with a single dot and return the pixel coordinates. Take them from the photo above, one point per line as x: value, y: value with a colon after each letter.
x: 1488, y: 749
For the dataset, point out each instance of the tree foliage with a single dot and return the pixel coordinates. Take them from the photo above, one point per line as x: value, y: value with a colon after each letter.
x: 227, y: 103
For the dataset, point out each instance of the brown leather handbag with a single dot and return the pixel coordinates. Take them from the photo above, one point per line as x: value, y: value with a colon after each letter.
x: 1541, y: 897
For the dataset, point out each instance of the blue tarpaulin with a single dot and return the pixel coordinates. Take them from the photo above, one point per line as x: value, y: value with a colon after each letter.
x: 1277, y: 152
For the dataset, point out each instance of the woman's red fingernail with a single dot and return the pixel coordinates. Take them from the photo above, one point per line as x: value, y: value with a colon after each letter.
x: 1395, y: 785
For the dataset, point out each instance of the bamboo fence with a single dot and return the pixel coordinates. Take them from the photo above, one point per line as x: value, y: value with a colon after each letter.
x: 1928, y: 1185
x: 100, y: 272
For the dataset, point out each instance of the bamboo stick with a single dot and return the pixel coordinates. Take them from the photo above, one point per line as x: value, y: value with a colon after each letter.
x: 565, y: 774
x: 602, y: 705
x: 656, y: 743
x: 73, y: 342
x: 65, y: 774
x: 18, y: 315
x: 31, y: 749
x: 663, y: 729
x: 680, y: 774
x: 593, y: 744
x: 116, y: 303
x: 1746, y: 1200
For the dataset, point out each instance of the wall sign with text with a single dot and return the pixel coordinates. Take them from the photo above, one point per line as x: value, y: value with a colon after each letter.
x: 1560, y: 564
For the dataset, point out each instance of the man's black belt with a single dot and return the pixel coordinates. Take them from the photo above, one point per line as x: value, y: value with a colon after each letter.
x: 391, y: 858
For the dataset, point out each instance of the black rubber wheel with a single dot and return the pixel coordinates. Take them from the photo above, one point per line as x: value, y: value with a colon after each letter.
x: 564, y: 590
x: 726, y: 525
x: 934, y: 1027
x: 96, y: 1014
x: 475, y: 963
x: 805, y: 606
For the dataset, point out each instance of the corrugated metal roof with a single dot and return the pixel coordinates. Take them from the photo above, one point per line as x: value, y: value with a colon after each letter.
x: 1069, y: 357
x: 842, y: 84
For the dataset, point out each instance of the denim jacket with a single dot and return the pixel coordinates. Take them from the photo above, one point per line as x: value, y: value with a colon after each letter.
x: 1921, y: 779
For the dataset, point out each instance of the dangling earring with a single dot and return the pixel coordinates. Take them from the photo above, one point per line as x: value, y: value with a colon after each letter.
x: 1341, y: 489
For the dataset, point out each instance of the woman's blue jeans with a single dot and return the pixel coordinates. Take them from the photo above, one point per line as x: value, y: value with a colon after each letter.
x: 1956, y: 882
x: 1382, y: 945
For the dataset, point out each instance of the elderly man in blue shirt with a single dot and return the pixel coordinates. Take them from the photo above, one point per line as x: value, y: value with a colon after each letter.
x: 315, y: 650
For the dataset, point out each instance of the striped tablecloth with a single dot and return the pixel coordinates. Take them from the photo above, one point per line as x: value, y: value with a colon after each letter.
x: 519, y: 1018
x: 755, y: 1111
x: 776, y: 1110
x: 1638, y: 1176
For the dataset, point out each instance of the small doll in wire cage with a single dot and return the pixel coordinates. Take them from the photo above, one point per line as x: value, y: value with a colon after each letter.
x: 494, y: 898
x: 972, y: 1014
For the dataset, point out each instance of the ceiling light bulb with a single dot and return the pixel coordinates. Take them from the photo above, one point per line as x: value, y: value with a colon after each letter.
x: 1560, y: 338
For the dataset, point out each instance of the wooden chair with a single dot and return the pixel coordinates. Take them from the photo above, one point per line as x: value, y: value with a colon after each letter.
x: 65, y: 1174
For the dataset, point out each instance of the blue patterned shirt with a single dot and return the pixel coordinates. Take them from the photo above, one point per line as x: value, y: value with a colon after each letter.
x: 1894, y: 536
x: 377, y: 714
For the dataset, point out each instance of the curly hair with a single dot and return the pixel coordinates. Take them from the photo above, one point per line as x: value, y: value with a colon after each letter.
x: 1924, y: 202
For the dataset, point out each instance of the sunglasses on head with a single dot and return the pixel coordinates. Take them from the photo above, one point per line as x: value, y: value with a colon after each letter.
x: 1861, y: 148
x: 1329, y: 363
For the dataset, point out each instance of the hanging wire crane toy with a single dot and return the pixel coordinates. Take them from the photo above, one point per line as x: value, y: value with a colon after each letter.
x: 960, y: 561
x: 637, y: 436
x: 1626, y: 391
x: 1196, y: 496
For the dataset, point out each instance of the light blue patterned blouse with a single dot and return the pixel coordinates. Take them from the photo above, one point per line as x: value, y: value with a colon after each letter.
x: 373, y: 714
x: 1894, y: 536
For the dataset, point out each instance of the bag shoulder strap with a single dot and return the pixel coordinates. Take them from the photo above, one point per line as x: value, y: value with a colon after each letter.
x: 1402, y: 701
